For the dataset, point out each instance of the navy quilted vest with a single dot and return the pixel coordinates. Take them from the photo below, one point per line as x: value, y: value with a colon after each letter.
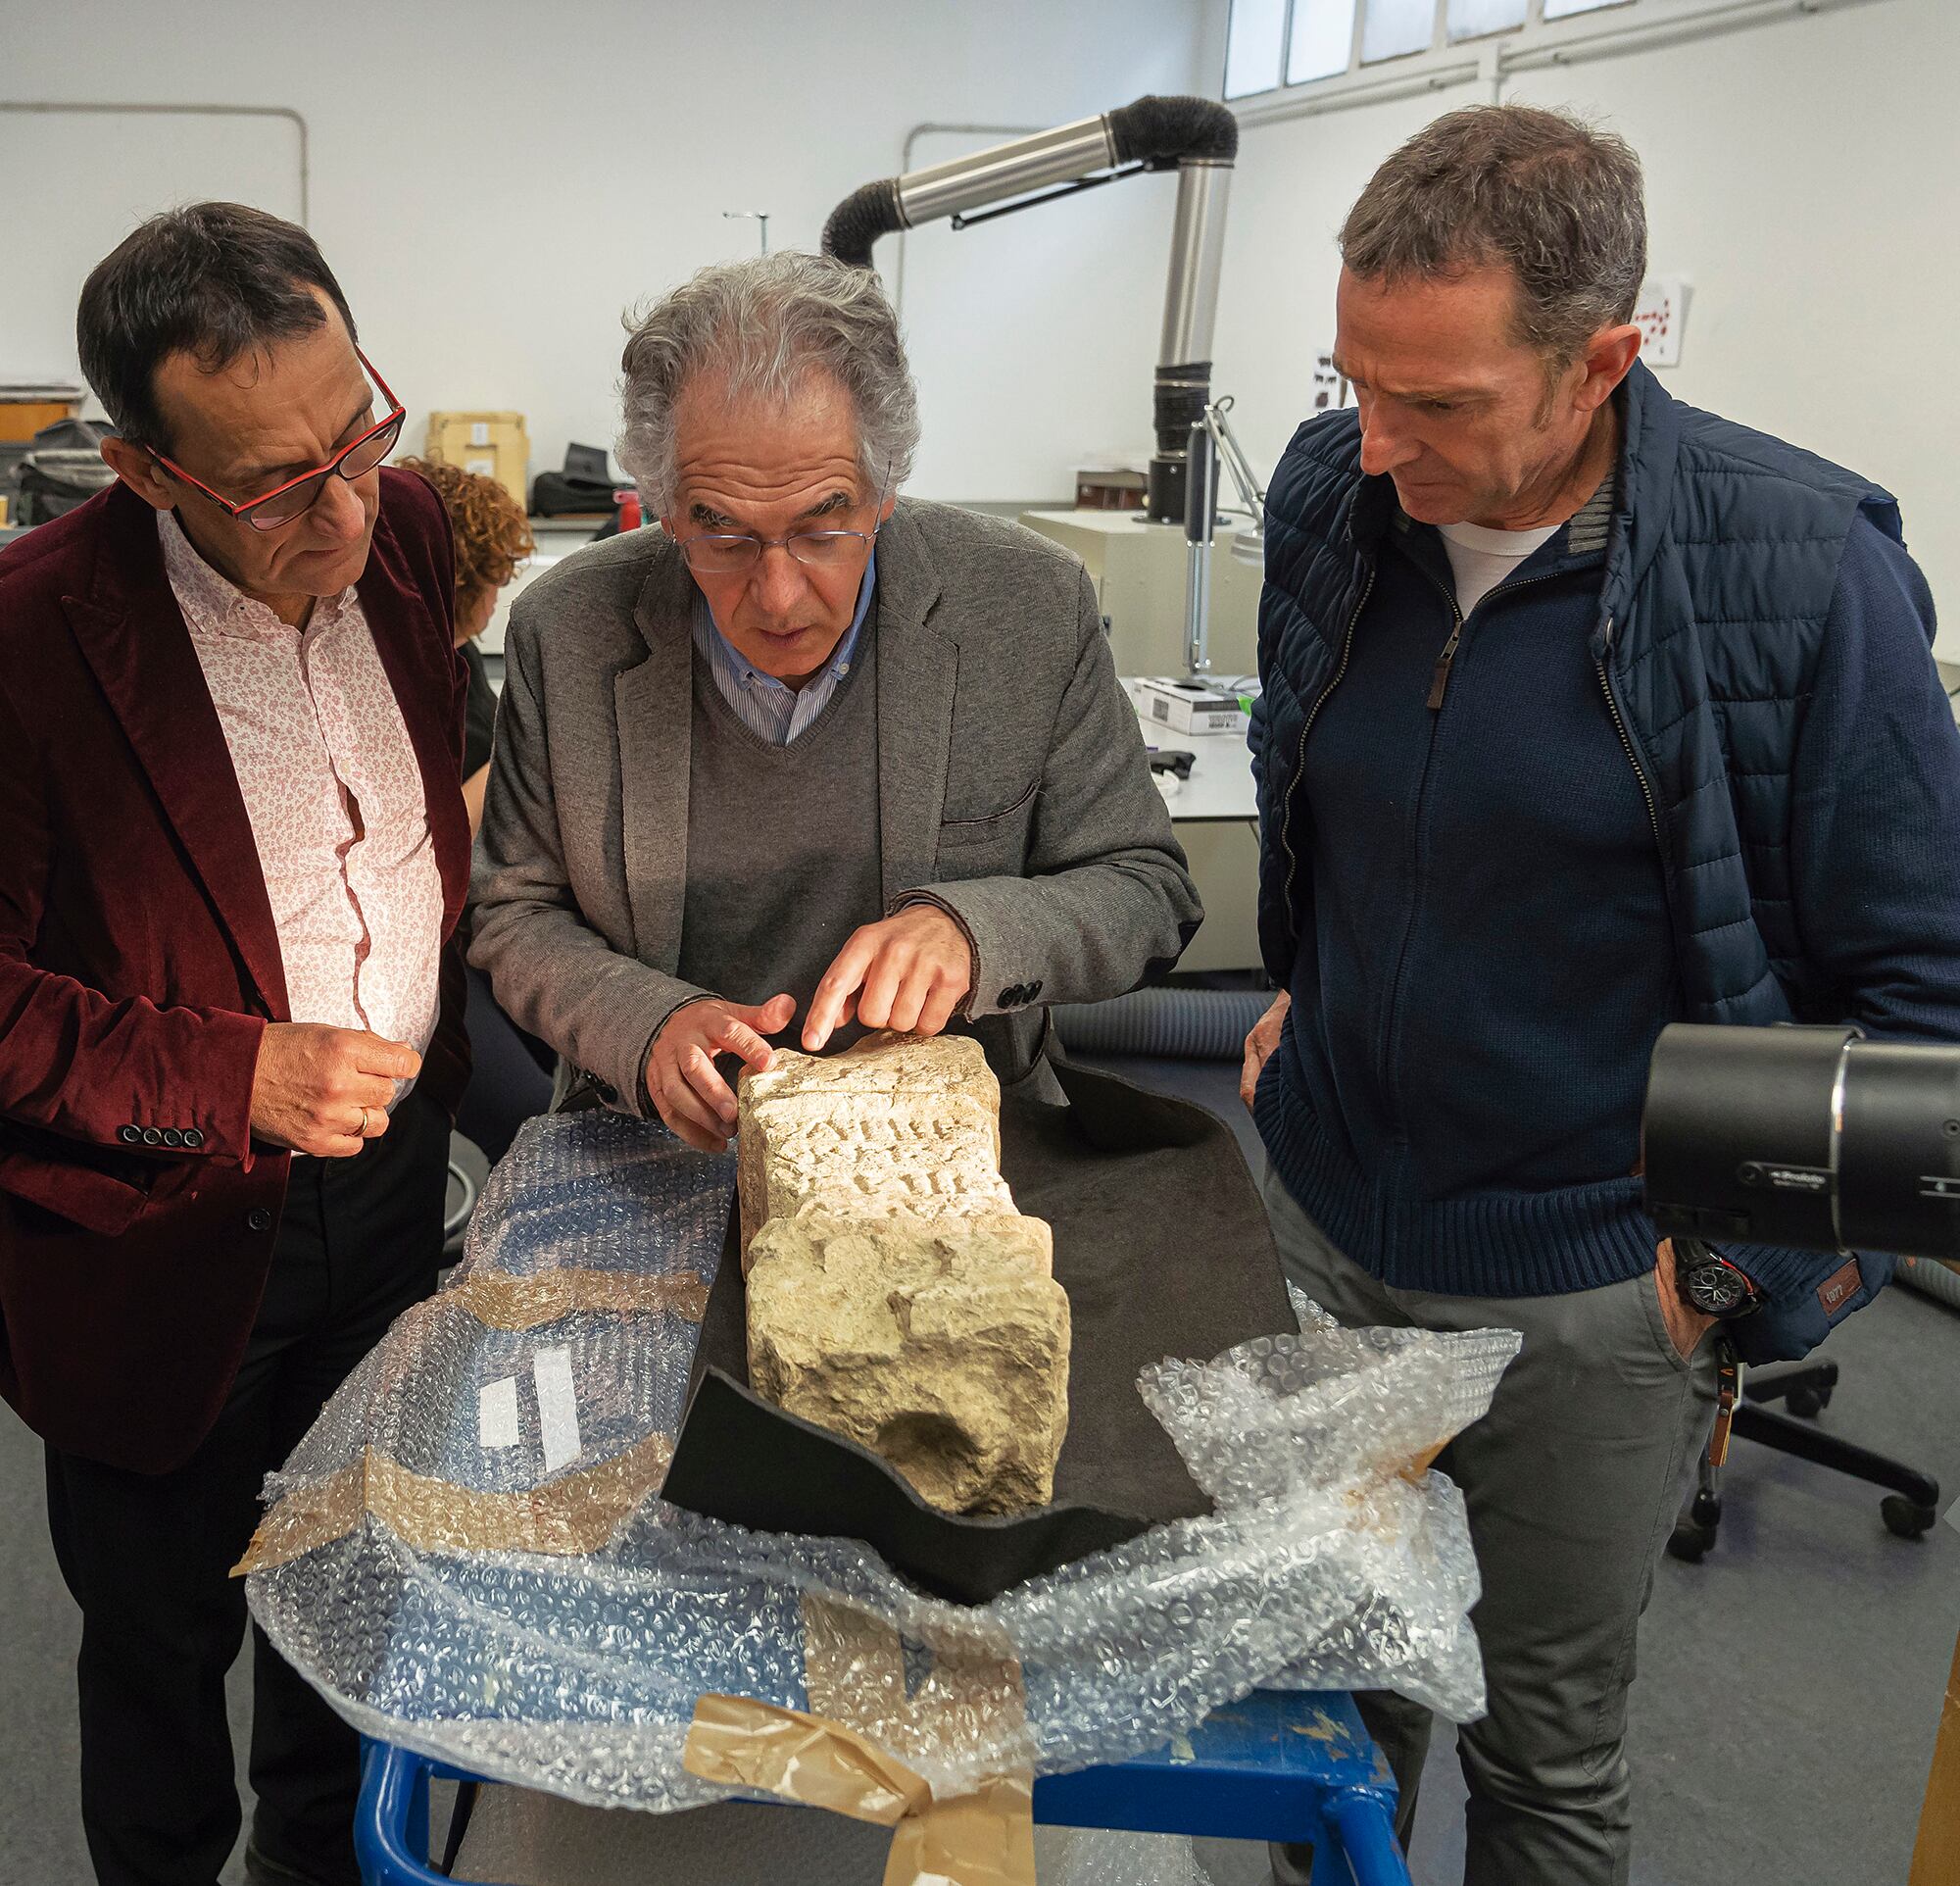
x: 1719, y: 577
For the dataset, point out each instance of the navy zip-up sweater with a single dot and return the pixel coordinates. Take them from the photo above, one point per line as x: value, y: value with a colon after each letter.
x: 1484, y: 909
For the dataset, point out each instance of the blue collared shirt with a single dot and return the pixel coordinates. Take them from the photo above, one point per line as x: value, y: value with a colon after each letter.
x: 770, y: 709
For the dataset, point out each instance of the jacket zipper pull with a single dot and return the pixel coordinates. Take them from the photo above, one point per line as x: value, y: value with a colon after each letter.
x: 1439, y: 678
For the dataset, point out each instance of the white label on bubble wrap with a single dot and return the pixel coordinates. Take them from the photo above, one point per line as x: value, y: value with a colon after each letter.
x: 497, y: 1412
x: 558, y: 1408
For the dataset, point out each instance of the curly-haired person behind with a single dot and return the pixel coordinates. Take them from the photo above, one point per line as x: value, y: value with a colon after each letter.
x: 493, y: 538
x: 510, y: 1070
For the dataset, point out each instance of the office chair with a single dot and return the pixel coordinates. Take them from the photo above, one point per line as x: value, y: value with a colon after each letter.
x: 1909, y: 1508
x: 468, y: 1169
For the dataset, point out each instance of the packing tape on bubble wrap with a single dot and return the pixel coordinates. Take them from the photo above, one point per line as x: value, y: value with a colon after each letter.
x: 501, y: 1301
x: 981, y: 1839
x: 577, y: 1514
x: 851, y: 1752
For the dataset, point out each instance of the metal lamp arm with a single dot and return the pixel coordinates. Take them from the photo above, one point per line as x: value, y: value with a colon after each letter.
x: 1198, y: 135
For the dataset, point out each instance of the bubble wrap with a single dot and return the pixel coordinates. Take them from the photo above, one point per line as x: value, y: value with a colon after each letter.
x: 453, y: 1581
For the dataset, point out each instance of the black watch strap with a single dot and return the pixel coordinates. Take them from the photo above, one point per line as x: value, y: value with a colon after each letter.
x: 1709, y: 1283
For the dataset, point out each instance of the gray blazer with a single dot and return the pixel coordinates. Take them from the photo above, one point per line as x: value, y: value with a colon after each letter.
x: 1014, y: 791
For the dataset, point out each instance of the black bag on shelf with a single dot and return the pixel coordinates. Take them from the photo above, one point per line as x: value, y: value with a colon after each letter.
x: 62, y: 469
x: 585, y: 484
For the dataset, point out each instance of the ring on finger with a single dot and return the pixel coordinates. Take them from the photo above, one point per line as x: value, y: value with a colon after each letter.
x: 364, y: 1122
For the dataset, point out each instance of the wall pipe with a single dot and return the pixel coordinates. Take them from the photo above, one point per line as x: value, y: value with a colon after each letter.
x: 52, y: 106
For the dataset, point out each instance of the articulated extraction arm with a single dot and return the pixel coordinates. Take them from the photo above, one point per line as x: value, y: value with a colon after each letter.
x: 1196, y: 138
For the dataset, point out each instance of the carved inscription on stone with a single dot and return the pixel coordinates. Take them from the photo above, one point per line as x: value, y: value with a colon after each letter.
x: 894, y: 1294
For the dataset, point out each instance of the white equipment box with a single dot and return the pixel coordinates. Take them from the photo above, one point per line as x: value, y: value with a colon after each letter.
x: 1188, y: 706
x: 1137, y: 570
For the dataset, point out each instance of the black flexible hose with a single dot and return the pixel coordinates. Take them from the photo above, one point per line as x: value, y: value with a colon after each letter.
x: 866, y: 213
x: 1152, y: 129
x: 1200, y: 129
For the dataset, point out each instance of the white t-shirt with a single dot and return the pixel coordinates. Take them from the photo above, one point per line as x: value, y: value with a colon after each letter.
x: 1481, y: 558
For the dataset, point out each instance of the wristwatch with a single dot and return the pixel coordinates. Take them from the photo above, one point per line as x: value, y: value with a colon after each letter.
x: 1710, y: 1283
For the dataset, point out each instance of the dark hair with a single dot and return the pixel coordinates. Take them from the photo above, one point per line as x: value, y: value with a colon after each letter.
x: 1541, y: 195
x: 214, y: 281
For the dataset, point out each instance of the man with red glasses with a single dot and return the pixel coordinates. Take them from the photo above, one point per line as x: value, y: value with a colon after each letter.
x: 230, y: 742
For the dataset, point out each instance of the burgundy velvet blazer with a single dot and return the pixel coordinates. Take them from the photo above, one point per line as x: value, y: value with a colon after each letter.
x: 139, y: 965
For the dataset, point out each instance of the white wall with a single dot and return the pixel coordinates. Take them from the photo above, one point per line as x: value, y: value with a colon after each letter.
x: 1804, y: 176
x: 493, y: 182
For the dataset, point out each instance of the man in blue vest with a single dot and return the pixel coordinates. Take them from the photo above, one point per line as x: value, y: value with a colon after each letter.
x: 1584, y: 712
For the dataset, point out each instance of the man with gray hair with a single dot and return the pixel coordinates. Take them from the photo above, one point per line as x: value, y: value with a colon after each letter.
x: 811, y: 752
x: 1583, y: 713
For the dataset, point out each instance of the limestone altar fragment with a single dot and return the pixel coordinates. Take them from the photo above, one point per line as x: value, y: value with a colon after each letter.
x: 896, y: 1123
x: 894, y: 1294
x: 941, y: 1347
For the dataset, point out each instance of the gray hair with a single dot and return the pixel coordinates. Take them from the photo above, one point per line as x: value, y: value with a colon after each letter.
x: 1537, y: 192
x: 765, y: 322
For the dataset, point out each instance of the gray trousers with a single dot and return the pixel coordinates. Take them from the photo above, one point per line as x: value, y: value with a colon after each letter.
x: 1572, y: 1481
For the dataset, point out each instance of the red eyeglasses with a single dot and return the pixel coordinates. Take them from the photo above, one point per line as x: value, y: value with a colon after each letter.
x: 294, y: 498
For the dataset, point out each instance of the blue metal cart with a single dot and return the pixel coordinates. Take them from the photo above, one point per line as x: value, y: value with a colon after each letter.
x: 1280, y: 1766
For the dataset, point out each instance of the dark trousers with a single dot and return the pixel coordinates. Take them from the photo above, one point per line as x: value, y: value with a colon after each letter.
x: 148, y: 1558
x: 510, y: 1075
x: 1571, y: 1482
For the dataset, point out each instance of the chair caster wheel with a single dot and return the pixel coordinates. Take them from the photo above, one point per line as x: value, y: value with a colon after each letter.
x: 1687, y: 1542
x: 1695, y: 1531
x: 1807, y: 1402
x: 1905, y: 1521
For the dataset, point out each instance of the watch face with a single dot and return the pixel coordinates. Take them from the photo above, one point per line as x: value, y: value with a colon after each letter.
x: 1717, y: 1288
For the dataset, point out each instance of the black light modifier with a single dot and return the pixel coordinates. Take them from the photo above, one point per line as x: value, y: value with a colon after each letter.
x: 1810, y: 1136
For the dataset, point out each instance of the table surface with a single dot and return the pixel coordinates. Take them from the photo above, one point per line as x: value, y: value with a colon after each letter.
x: 1220, y: 787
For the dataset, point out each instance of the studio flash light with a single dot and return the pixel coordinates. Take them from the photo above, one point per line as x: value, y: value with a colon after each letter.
x: 1810, y: 1136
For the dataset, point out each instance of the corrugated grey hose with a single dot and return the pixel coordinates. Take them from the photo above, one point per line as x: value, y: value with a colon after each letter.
x: 1933, y: 1279
x: 1179, y: 1024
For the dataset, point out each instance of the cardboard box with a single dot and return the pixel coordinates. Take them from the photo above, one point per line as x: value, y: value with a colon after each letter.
x: 22, y: 419
x: 1935, y: 1855
x: 1189, y: 706
x: 495, y: 445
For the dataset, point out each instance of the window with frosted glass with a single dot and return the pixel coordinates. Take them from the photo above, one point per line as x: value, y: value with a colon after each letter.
x: 1563, y: 9
x: 1253, y: 46
x: 1321, y: 39
x: 1392, y: 28
x: 1469, y: 19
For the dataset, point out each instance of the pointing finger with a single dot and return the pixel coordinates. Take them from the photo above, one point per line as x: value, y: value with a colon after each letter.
x: 840, y: 982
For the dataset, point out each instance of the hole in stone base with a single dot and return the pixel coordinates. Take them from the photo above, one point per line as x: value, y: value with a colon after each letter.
x: 929, y: 1450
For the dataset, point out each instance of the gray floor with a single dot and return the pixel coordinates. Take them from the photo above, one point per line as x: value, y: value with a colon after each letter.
x: 1783, y: 1721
